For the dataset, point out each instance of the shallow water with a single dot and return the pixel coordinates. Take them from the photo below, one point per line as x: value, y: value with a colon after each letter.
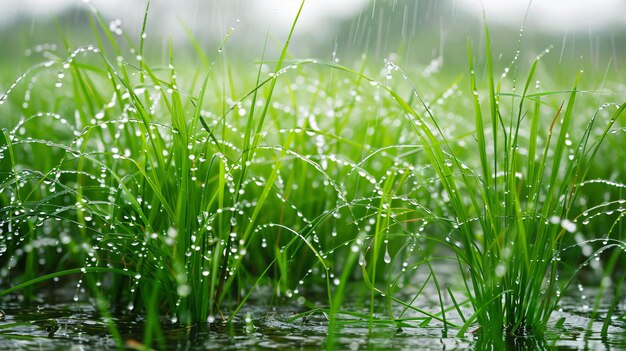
x: 80, y: 328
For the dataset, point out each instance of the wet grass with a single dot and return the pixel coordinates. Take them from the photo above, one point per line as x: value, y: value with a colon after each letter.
x: 173, y: 192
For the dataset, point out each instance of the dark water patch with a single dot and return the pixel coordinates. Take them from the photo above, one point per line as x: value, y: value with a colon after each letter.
x: 259, y: 327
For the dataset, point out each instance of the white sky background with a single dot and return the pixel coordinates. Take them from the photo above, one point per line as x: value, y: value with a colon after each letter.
x: 319, y: 16
x: 553, y: 15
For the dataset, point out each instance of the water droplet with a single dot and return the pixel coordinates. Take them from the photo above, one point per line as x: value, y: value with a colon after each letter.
x: 387, y: 257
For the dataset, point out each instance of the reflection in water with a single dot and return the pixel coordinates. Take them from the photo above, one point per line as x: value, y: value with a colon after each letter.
x: 263, y: 327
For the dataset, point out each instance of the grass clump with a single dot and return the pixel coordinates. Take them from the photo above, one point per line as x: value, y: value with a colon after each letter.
x: 177, y: 198
x: 136, y: 182
x: 512, y: 216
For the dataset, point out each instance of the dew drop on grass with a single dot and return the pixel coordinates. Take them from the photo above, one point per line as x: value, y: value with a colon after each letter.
x: 183, y: 290
x: 387, y: 257
x: 568, y: 225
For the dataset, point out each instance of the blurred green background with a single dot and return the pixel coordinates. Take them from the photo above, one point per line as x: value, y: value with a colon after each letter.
x: 582, y: 34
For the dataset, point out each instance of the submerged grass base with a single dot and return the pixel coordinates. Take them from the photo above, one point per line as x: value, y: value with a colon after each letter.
x: 284, y: 328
